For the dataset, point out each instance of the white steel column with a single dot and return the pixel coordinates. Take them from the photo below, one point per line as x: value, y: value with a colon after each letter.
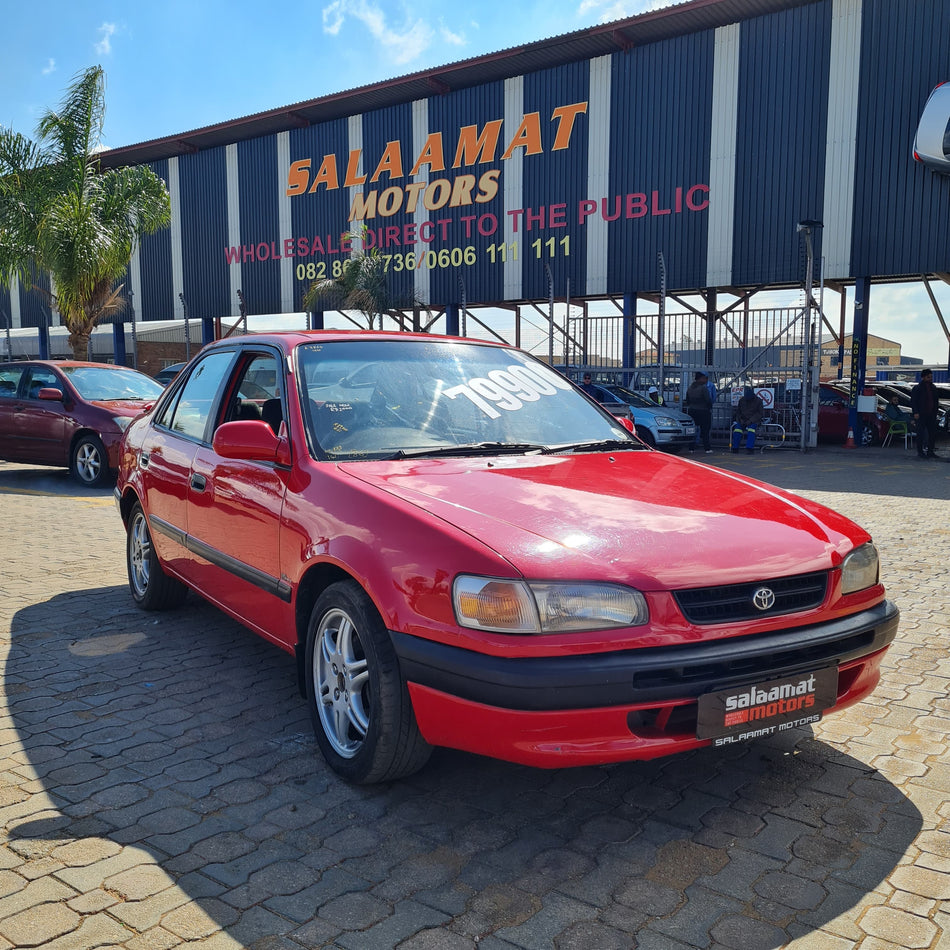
x: 420, y: 132
x: 722, y: 158
x: 285, y: 227
x: 514, y: 181
x: 841, y: 138
x: 598, y: 170
x: 178, y: 281
x: 16, y: 317
x: 355, y: 135
x: 234, y: 223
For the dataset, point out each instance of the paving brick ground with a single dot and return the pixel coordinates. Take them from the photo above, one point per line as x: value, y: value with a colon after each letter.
x: 160, y: 787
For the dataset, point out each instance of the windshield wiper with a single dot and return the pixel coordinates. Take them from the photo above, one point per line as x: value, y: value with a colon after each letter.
x: 471, y: 449
x: 602, y: 445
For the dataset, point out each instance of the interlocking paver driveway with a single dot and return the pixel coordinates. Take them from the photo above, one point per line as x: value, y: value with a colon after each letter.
x: 159, y: 785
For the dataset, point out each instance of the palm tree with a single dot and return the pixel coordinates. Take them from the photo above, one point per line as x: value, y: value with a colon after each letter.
x: 61, y: 213
x: 362, y: 285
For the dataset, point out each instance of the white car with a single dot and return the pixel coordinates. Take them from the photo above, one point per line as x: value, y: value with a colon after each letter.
x: 932, y: 143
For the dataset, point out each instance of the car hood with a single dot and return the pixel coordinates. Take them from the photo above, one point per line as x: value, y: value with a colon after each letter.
x: 644, y: 518
x: 124, y: 407
x: 652, y: 414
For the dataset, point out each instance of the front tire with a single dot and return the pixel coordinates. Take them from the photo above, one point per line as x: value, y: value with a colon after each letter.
x: 359, y: 704
x: 90, y: 461
x: 151, y: 587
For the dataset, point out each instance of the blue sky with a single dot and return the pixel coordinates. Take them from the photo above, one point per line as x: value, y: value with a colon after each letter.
x: 177, y: 65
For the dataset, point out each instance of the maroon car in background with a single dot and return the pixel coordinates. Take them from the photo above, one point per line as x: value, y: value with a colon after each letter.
x: 70, y: 414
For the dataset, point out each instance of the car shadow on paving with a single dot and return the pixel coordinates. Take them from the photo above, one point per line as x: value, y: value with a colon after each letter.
x: 174, y: 790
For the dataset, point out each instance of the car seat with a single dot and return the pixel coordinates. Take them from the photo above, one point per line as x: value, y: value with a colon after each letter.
x: 272, y: 412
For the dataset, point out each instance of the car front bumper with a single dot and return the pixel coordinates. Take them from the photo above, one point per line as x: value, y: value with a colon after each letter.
x: 631, y: 704
x: 675, y: 437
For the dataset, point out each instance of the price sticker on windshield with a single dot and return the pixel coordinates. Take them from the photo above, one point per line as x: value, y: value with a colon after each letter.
x: 508, y: 389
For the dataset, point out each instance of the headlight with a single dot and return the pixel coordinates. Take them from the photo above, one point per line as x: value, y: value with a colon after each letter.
x: 122, y: 422
x: 666, y: 421
x: 511, y: 606
x: 860, y: 569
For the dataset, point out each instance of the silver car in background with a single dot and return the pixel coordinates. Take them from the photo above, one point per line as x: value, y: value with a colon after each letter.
x: 661, y: 427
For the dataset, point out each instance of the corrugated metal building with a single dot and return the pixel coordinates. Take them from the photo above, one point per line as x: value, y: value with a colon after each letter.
x: 705, y: 131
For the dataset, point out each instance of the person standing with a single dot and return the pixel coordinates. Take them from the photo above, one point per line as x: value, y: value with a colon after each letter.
x: 698, y: 404
x: 923, y: 403
x: 749, y: 411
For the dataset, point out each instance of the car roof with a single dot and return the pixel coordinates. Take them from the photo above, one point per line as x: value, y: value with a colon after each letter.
x: 288, y: 339
x: 60, y: 364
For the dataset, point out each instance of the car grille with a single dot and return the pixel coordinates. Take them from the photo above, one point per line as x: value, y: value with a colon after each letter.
x: 732, y: 602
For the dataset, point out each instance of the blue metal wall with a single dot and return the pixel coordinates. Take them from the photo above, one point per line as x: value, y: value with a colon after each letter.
x: 659, y: 105
x: 902, y: 210
x: 478, y: 105
x: 782, y: 118
x: 552, y: 179
x: 258, y: 181
x: 319, y: 222
x: 660, y: 133
x: 204, y: 232
x: 155, y: 298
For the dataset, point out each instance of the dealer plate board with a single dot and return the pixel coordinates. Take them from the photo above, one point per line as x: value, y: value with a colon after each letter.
x: 760, y: 709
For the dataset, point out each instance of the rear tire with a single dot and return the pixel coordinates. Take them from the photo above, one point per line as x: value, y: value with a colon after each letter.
x: 151, y: 587
x: 359, y: 703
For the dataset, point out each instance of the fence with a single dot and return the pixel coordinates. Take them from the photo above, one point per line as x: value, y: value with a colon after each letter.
x: 766, y: 348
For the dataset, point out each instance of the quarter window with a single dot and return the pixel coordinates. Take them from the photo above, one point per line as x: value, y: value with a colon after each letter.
x: 9, y: 381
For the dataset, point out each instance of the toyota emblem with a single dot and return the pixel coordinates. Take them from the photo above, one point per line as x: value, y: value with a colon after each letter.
x: 764, y: 598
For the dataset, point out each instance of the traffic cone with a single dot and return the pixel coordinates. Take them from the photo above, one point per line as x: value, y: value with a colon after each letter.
x: 849, y: 441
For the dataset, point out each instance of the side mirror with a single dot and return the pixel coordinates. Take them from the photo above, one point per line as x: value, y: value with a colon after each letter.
x: 50, y: 394
x: 250, y: 441
x: 627, y: 423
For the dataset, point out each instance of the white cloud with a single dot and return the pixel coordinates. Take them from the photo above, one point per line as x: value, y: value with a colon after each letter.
x: 450, y: 36
x: 608, y: 10
x: 104, y: 46
x: 50, y: 67
x: 404, y: 44
x: 333, y: 17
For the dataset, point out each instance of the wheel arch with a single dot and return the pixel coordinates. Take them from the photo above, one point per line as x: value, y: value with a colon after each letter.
x: 316, y: 579
x: 127, y: 502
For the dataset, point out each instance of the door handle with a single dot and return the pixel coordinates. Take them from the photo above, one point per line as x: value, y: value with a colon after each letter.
x: 143, y: 459
x: 198, y: 482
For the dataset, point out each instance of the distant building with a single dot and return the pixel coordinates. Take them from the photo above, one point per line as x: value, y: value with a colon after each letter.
x: 880, y: 353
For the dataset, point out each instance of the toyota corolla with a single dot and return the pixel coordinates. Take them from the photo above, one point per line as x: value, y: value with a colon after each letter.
x: 462, y: 550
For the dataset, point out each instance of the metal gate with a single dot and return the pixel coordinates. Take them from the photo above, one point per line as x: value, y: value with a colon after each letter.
x: 773, y: 350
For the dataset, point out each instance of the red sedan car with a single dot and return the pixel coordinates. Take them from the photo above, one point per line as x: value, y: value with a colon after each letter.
x: 69, y: 413
x: 462, y: 550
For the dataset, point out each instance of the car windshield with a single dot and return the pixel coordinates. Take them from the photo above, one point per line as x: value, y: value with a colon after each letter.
x: 631, y: 398
x: 398, y: 398
x: 101, y: 383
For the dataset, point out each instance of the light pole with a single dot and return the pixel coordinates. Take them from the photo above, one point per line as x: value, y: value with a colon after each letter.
x: 809, y: 435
